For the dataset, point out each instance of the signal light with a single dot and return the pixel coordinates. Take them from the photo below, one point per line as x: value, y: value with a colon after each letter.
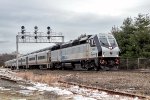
x: 35, y: 37
x: 35, y: 29
x: 48, y: 28
x: 22, y: 31
x: 35, y: 32
x: 22, y: 27
x: 22, y: 37
x: 48, y: 37
x: 48, y: 32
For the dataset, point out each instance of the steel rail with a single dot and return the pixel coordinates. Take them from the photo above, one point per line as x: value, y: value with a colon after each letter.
x: 112, y: 92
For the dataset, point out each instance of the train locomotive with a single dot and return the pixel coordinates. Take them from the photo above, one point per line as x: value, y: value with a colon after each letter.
x: 90, y: 52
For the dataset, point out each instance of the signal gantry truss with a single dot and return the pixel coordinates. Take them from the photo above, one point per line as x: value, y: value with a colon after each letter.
x: 37, y: 37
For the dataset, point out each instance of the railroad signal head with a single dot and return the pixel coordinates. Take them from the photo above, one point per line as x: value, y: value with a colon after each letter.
x: 22, y: 29
x: 35, y: 29
x: 48, y: 37
x: 48, y: 30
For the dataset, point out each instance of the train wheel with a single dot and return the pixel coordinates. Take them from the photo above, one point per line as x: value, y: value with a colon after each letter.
x: 115, y: 68
x: 63, y: 66
x: 86, y: 67
x: 105, y: 68
x: 59, y: 66
x: 95, y: 68
x: 73, y: 65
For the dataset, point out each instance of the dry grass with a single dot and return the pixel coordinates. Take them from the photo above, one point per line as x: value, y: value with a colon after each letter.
x: 132, y: 82
x: 47, y: 78
x: 126, y: 81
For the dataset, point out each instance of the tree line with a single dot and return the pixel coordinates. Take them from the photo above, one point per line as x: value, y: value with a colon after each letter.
x: 133, y: 36
x: 6, y: 57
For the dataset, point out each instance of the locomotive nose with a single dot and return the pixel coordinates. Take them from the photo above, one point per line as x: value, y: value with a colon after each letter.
x: 111, y: 53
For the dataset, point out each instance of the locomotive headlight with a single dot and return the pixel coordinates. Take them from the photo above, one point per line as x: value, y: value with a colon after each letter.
x: 103, y: 54
x: 110, y: 48
x: 117, y: 54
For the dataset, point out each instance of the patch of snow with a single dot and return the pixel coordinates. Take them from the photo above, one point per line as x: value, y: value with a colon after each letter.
x: 4, y: 89
x: 31, y: 88
x: 96, y: 95
x: 44, y: 87
x: 80, y: 97
x: 117, y: 96
x: 26, y: 92
x: 1, y: 88
x: 104, y: 94
x: 136, y: 98
x: 57, y: 90
x: 19, y: 99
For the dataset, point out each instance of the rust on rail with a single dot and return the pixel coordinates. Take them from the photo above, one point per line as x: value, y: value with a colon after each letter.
x: 106, y: 90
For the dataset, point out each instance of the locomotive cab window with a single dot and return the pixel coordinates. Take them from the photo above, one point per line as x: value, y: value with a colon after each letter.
x: 103, y: 41
x: 112, y: 41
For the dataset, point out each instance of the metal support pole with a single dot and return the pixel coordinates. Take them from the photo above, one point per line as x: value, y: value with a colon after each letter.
x: 17, y: 52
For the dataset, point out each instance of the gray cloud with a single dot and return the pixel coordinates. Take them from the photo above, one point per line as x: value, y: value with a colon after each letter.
x: 59, y: 16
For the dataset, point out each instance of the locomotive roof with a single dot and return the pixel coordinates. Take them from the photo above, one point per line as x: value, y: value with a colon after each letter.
x: 78, y: 40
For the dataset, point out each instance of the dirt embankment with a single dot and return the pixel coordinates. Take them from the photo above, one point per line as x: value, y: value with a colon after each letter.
x: 126, y: 81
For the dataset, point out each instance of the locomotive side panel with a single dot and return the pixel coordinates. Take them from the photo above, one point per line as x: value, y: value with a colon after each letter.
x: 55, y: 56
x: 75, y: 53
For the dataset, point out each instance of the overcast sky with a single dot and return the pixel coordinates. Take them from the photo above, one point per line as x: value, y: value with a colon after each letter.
x: 71, y: 17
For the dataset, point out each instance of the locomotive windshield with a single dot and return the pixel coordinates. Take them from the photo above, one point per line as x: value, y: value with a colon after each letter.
x: 107, y: 41
x: 112, y: 41
x: 103, y: 41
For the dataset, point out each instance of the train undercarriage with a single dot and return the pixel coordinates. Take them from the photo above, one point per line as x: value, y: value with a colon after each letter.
x: 92, y: 64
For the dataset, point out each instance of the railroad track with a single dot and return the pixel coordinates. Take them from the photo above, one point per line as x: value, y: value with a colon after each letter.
x: 7, y: 78
x: 112, y: 92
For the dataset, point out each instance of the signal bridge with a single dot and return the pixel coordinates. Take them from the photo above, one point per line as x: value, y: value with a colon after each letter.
x: 53, y: 38
x: 37, y: 37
